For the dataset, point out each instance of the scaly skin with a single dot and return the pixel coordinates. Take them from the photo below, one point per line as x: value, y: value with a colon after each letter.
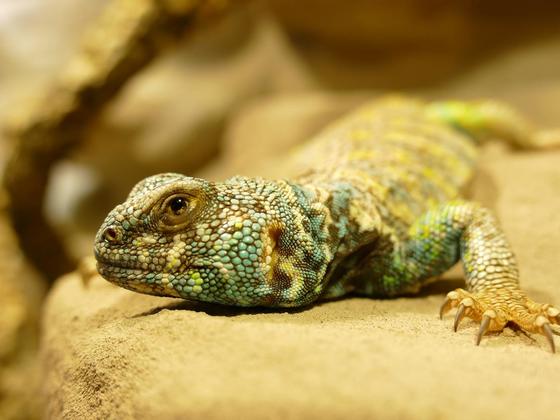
x: 375, y: 211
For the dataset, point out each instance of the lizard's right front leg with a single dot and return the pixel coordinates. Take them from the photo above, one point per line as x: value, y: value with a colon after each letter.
x: 469, y: 232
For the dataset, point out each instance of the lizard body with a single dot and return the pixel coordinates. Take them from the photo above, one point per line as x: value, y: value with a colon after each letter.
x: 376, y: 210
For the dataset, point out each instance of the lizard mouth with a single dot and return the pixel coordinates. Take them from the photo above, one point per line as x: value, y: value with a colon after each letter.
x: 138, y: 279
x: 112, y: 266
x: 108, y: 263
x: 113, y: 261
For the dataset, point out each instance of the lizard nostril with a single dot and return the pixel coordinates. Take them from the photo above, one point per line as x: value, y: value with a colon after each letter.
x: 111, y: 234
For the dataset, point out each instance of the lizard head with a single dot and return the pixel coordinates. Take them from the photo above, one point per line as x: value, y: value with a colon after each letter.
x: 239, y: 242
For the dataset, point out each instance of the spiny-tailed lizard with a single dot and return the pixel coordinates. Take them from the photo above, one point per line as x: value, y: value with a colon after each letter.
x: 376, y: 212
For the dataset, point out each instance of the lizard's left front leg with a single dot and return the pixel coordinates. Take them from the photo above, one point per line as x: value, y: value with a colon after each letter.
x: 467, y: 231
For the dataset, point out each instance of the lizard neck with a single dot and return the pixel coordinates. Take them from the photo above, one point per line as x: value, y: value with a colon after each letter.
x: 340, y: 218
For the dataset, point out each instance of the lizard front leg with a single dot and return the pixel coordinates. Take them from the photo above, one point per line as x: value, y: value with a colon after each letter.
x: 470, y: 233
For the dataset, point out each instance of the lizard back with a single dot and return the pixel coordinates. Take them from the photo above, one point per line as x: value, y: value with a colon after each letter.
x: 399, y: 160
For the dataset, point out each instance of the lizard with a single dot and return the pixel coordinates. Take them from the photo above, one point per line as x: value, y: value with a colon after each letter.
x: 376, y: 210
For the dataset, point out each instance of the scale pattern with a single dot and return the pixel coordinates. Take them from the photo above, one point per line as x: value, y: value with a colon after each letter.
x: 376, y: 210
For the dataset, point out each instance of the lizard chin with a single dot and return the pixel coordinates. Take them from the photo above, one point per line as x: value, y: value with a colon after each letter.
x: 171, y: 284
x: 130, y: 278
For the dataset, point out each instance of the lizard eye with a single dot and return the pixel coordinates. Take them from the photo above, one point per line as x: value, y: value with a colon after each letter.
x: 178, y: 205
x: 176, y: 208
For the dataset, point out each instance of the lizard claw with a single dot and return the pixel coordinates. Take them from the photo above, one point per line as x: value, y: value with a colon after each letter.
x: 495, y: 308
x: 483, y: 328
x: 459, y: 316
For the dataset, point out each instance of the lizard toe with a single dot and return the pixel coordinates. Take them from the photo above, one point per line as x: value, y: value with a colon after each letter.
x: 494, y: 312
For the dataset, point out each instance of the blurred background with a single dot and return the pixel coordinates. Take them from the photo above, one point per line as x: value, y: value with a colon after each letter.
x: 96, y: 95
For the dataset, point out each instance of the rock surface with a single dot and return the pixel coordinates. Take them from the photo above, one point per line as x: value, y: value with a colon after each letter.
x: 111, y: 353
x: 407, y: 43
x: 21, y: 293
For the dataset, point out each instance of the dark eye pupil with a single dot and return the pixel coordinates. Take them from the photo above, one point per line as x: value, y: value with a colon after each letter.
x: 177, y: 205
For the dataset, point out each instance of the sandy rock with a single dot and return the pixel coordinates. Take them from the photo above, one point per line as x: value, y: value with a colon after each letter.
x: 111, y: 353
x: 363, y: 25
x: 376, y: 43
x: 21, y: 292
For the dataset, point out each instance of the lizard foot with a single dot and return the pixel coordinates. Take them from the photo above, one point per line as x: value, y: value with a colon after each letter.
x: 495, y: 308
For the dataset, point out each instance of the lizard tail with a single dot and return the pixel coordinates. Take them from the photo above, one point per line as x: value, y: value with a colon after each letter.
x: 487, y: 119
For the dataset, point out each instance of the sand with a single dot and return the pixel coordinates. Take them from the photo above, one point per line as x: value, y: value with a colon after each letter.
x: 111, y: 353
